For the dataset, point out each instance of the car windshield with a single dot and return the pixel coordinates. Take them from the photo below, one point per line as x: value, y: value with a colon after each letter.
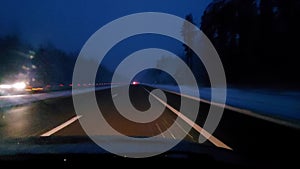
x: 139, y: 79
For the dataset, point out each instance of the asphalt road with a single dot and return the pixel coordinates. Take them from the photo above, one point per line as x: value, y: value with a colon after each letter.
x: 257, y: 138
x: 57, y: 117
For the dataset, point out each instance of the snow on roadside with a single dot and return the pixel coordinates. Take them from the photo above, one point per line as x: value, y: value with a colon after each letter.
x: 283, y: 104
x: 14, y: 100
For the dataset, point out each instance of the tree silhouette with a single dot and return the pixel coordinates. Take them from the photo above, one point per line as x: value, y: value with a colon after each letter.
x: 11, y: 57
x: 255, y: 39
x: 188, y: 34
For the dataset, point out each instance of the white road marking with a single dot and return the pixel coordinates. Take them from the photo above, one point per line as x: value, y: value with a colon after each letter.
x: 239, y: 110
x: 160, y: 130
x: 65, y: 124
x: 171, y: 134
x: 206, y: 134
x: 115, y: 95
x: 183, y: 130
x: 166, y: 125
x: 197, y: 99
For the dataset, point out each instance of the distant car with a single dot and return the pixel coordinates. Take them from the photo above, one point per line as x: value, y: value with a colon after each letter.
x: 13, y: 88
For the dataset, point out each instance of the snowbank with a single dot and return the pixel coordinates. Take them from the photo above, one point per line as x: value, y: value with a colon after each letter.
x: 283, y: 104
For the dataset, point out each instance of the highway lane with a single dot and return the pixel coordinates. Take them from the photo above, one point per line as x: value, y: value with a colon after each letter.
x: 57, y: 117
x: 35, y: 118
x: 257, y: 138
x: 139, y: 98
x: 273, y: 144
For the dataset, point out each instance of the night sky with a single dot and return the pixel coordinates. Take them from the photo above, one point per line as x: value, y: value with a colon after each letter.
x: 68, y: 24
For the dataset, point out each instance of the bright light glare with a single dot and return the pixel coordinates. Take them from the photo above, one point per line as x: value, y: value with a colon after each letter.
x: 4, y: 86
x: 19, y: 85
x: 135, y: 83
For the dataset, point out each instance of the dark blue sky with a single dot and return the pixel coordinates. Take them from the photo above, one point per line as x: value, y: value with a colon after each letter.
x: 68, y: 24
